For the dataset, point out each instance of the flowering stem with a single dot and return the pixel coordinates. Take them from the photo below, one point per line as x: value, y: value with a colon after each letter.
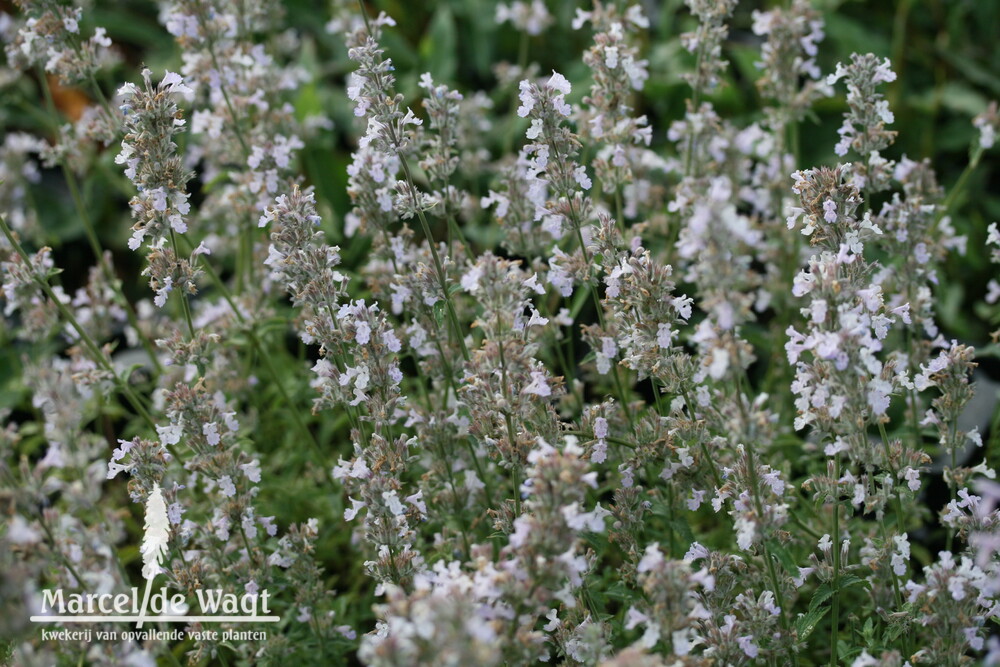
x: 835, y: 584
x: 892, y: 470
x: 895, y: 582
x: 522, y: 62
x: 55, y: 547
x: 246, y: 543
x: 255, y: 341
x: 619, y: 389
x: 443, y: 283
x: 67, y: 314
x: 458, y: 508
x: 210, y: 43
x: 439, y: 269
x: 449, y: 383
x: 561, y: 357
x: 109, y: 275
x: 610, y: 438
x: 704, y: 447
x: 911, y: 393
x: 515, y: 461
x: 185, y: 306
x: 353, y: 412
x: 247, y: 241
x: 769, y: 561
x: 449, y: 374
x: 341, y: 356
x: 91, y: 233
x: 952, y: 486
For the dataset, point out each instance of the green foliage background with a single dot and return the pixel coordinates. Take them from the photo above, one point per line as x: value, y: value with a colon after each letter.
x: 944, y: 51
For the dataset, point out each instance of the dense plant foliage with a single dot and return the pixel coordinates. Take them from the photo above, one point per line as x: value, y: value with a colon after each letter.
x: 487, y: 333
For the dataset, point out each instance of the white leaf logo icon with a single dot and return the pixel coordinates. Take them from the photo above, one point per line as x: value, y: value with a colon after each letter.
x: 156, y: 534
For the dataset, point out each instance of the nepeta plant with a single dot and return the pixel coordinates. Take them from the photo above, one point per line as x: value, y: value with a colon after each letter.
x: 537, y: 373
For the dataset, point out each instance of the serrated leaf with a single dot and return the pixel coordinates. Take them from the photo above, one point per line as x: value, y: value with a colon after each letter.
x: 439, y: 308
x: 683, y: 529
x: 894, y: 631
x: 849, y: 580
x: 618, y: 591
x: 868, y: 630
x: 822, y: 594
x: 131, y: 368
x: 784, y: 558
x: 806, y: 623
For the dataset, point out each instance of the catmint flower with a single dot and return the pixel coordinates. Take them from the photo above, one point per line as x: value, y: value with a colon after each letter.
x: 706, y: 41
x: 988, y: 124
x: 50, y: 36
x: 148, y: 151
x: 864, y: 124
x: 901, y: 556
x: 789, y: 73
x: 530, y: 17
x: 226, y: 486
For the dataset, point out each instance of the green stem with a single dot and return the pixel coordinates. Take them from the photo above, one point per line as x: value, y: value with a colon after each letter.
x: 246, y: 543
x: 67, y: 314
x: 670, y: 519
x: 173, y: 658
x: 619, y: 216
x: 610, y: 438
x: 457, y: 507
x: 564, y: 366
x: 255, y: 341
x: 438, y: 267
x: 900, y: 526
x: 210, y: 40
x: 805, y: 528
x: 90, y: 231
x: 619, y: 389
x: 835, y: 583
x: 276, y: 378
x: 956, y: 190
x: 769, y: 560
x: 109, y: 275
x: 515, y: 461
x: 185, y: 305
x: 55, y: 548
